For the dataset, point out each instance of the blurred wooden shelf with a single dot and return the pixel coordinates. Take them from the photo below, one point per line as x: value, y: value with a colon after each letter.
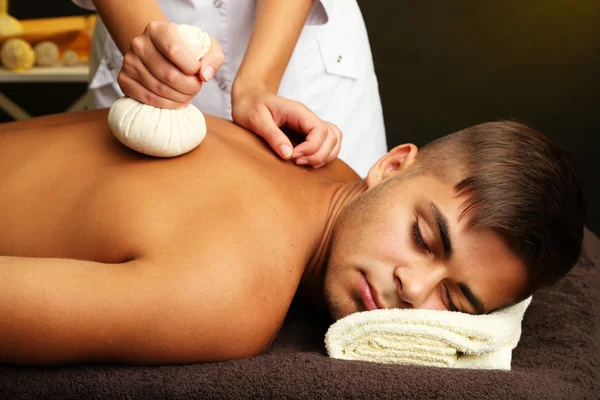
x: 77, y: 73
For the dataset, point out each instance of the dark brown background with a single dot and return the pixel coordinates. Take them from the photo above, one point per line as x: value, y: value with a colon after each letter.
x: 446, y: 65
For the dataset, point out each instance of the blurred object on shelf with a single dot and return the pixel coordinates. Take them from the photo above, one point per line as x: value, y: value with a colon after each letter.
x: 47, y: 54
x: 8, y: 25
x: 80, y: 44
x: 17, y: 55
x: 70, y: 58
x: 68, y: 33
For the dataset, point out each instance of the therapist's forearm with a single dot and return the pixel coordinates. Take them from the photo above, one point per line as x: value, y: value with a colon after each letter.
x: 126, y: 19
x: 277, y: 26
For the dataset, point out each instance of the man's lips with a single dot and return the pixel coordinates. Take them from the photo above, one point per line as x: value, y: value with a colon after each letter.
x: 366, y: 293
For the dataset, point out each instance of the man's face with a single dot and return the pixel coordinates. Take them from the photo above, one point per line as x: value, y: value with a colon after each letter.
x: 401, y: 245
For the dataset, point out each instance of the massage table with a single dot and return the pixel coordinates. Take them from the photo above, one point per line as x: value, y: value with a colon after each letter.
x: 558, y: 358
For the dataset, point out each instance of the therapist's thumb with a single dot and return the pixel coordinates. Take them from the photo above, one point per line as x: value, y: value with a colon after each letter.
x: 285, y: 150
x: 268, y: 130
x: 212, y: 61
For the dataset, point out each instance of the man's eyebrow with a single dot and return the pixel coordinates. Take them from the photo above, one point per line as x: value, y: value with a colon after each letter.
x: 475, y: 301
x: 442, y: 223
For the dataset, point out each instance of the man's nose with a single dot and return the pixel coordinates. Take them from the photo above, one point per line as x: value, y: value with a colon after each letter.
x: 416, y: 283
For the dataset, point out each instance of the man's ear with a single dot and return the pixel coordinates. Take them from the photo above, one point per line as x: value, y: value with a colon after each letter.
x: 396, y: 160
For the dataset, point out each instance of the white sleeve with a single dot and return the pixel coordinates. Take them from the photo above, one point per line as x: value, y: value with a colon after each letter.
x: 87, y: 4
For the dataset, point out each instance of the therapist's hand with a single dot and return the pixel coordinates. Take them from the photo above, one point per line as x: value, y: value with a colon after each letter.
x: 263, y: 113
x: 161, y: 71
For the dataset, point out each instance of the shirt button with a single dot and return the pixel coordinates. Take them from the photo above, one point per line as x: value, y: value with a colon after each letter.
x: 109, y: 66
x: 339, y: 59
x: 218, y: 3
x: 223, y: 86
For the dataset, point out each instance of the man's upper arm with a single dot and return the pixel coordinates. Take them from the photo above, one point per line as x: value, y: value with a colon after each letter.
x: 56, y: 311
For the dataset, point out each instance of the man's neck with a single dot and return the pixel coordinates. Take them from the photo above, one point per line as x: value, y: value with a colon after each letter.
x: 311, y: 284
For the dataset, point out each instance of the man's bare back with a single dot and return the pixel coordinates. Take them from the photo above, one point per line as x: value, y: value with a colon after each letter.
x: 140, y: 259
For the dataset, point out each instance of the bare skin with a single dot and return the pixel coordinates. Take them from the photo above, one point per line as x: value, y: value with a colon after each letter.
x: 110, y: 256
x: 180, y: 258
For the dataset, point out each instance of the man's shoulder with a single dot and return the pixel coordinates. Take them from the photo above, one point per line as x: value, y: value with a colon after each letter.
x: 340, y: 171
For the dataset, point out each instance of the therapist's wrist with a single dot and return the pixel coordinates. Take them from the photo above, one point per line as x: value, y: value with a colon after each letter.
x: 243, y: 87
x: 242, y: 97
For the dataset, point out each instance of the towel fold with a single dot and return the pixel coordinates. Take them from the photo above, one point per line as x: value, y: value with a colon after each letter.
x: 428, y: 337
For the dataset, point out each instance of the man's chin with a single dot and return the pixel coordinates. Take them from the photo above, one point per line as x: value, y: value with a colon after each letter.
x: 340, y: 309
x: 336, y: 314
x: 339, y: 297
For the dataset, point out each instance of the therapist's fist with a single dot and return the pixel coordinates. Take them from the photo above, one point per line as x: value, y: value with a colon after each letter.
x: 161, y: 71
x: 264, y: 113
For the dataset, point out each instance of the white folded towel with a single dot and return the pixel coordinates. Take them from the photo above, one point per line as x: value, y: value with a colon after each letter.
x: 427, y: 337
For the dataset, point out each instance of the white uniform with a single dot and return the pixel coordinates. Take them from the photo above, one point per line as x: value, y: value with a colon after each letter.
x: 331, y: 69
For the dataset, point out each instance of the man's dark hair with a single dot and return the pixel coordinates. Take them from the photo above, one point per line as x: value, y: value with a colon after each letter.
x: 519, y: 183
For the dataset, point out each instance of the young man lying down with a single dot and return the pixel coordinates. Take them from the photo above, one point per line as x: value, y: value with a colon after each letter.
x: 110, y: 256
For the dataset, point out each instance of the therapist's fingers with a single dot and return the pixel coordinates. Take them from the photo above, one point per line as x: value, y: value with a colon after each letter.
x: 265, y: 127
x: 162, y: 69
x: 166, y: 38
x: 315, y: 138
x: 301, y: 119
x: 318, y: 158
x: 338, y: 146
x: 326, y: 152
x: 136, y: 90
x: 323, y: 139
x: 250, y: 110
x: 135, y: 69
x: 212, y: 61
